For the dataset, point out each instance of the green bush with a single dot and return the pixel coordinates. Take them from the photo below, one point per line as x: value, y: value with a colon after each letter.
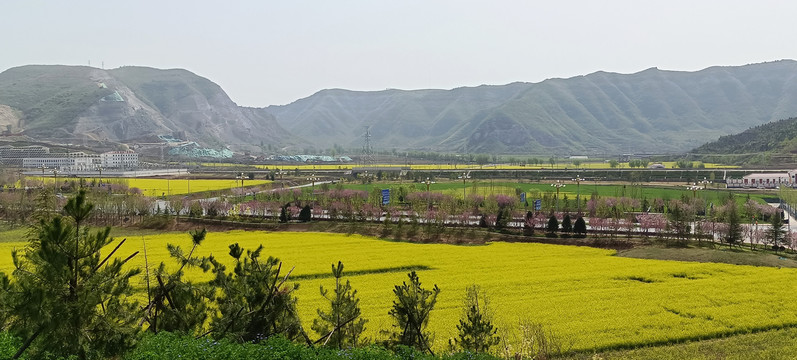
x: 9, y: 345
x: 169, y: 346
x: 157, y: 222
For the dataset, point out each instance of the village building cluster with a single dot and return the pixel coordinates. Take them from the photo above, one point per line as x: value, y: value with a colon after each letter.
x: 40, y: 157
x: 764, y: 180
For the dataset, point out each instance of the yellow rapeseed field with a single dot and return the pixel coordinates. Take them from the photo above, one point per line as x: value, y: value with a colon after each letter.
x: 158, y: 187
x: 586, y: 165
x: 584, y: 294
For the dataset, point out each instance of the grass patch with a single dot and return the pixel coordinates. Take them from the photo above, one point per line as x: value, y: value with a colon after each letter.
x: 8, y: 234
x: 638, y: 278
x: 534, y: 190
x: 772, y: 344
x: 722, y: 255
x: 395, y: 269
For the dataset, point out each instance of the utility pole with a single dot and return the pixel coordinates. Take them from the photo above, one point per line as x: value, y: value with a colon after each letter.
x: 464, y: 177
x: 578, y: 180
x: 558, y: 184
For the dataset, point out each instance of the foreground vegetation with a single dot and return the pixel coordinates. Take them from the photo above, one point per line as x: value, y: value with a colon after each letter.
x: 590, y: 300
x: 228, y: 286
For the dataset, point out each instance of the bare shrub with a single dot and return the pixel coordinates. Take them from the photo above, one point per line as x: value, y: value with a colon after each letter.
x: 532, y: 340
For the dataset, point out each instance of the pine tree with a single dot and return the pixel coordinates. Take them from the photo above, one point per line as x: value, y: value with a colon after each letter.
x: 254, y: 302
x: 476, y: 331
x: 176, y: 304
x: 411, y: 311
x: 567, y: 224
x: 483, y: 221
x: 580, y: 226
x: 67, y: 298
x: 500, y: 219
x: 734, y: 221
x: 284, y: 217
x: 306, y: 214
x: 776, y: 234
x: 342, y: 326
x: 553, y: 224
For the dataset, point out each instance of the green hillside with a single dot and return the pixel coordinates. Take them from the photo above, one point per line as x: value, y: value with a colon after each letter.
x: 50, y: 97
x: 774, y: 142
x: 129, y: 105
x: 653, y: 111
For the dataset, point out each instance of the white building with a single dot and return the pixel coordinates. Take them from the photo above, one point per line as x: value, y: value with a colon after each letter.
x: 764, y: 180
x: 78, y: 161
x: 83, y: 163
x: 119, y: 159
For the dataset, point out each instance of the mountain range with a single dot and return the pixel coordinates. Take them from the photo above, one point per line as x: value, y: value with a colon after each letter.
x: 652, y: 111
x: 128, y: 105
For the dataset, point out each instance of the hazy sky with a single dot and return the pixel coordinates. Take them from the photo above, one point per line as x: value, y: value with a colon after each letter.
x: 275, y: 52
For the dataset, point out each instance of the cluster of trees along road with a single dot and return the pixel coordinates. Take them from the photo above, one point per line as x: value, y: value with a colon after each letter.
x: 427, y: 215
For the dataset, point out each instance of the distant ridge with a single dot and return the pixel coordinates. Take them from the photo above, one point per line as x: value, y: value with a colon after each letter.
x: 653, y: 111
x: 128, y: 105
x: 774, y: 143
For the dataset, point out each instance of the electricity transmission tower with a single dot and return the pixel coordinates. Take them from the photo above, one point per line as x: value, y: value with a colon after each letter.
x: 368, y: 151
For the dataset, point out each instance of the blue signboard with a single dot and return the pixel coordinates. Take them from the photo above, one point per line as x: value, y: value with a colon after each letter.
x: 538, y: 204
x: 522, y: 198
x: 385, y: 196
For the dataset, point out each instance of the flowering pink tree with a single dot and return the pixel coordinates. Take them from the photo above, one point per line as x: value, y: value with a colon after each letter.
x: 293, y: 211
x: 273, y: 208
x: 655, y: 222
x: 759, y: 236
x: 370, y: 212
x: 708, y: 227
x: 540, y: 220
x: 475, y: 201
x: 490, y: 218
x: 791, y: 238
x: 625, y: 225
x: 755, y: 234
x: 598, y: 224
x: 505, y: 201
x: 721, y: 231
x: 238, y: 191
x: 317, y: 212
x: 464, y: 219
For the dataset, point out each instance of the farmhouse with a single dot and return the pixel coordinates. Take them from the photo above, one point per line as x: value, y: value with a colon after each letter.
x: 764, y: 180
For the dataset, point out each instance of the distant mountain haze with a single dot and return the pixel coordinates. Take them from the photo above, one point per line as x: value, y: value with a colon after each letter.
x: 653, y: 111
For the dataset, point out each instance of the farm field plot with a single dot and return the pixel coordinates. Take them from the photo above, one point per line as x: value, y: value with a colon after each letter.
x: 426, y: 167
x: 598, y: 300
x: 535, y: 190
x: 158, y: 187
